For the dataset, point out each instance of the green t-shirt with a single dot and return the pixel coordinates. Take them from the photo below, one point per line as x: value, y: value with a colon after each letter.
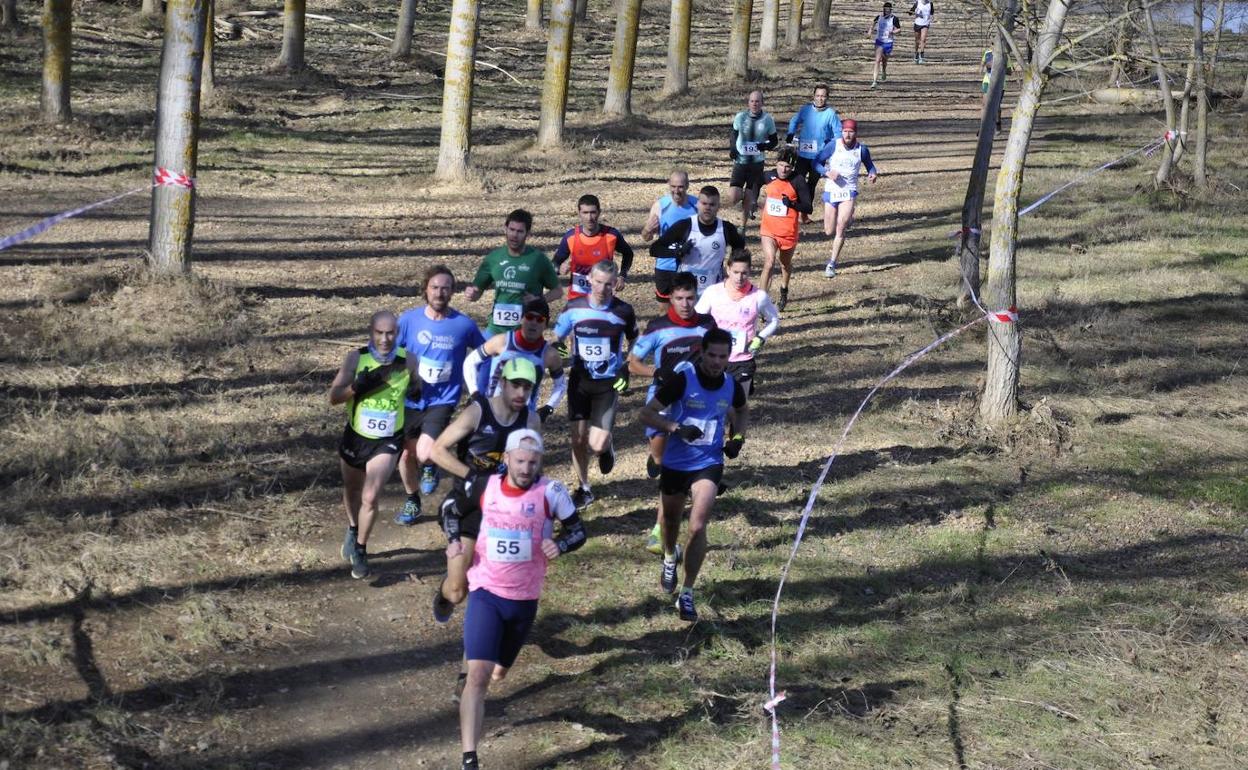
x: 512, y: 277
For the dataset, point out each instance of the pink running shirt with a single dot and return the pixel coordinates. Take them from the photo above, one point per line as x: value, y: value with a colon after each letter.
x: 739, y: 317
x: 507, y: 559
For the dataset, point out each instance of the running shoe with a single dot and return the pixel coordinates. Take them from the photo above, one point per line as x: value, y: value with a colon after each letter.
x: 428, y: 479
x: 470, y: 763
x: 872, y: 84
x: 359, y: 564
x: 667, y: 577
x: 922, y: 60
x: 829, y: 270
x: 784, y: 299
x: 348, y: 545
x: 653, y: 469
x: 606, y: 459
x: 917, y: 59
x: 581, y: 498
x: 443, y: 608
x: 410, y: 513
x: 684, y: 604
x: 883, y: 76
x: 653, y: 543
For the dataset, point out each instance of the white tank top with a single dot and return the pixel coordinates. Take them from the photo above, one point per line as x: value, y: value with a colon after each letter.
x: 706, y: 259
x: 847, y: 163
x: 922, y: 13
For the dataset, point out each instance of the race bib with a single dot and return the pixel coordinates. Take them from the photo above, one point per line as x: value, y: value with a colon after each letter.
x: 509, y: 546
x: 594, y: 350
x: 807, y: 147
x: 705, y: 278
x: 708, y: 428
x: 838, y: 193
x: 375, y: 423
x: 580, y: 282
x: 776, y: 207
x: 749, y: 148
x: 738, y: 340
x: 507, y: 315
x: 434, y: 372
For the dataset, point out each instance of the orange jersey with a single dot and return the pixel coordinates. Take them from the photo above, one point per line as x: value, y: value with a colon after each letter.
x: 779, y: 221
x: 585, y: 251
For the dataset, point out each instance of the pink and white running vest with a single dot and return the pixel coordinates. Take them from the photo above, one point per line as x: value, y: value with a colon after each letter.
x: 739, y: 317
x: 508, y: 559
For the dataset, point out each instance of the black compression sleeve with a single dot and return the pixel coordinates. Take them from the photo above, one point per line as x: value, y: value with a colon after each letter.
x: 626, y: 253
x: 803, y: 194
x: 672, y: 388
x: 733, y: 236
x: 771, y: 143
x: 675, y: 234
x: 738, y: 395
x: 574, y: 534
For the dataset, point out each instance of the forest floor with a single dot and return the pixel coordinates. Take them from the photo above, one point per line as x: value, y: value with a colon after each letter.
x: 1070, y: 592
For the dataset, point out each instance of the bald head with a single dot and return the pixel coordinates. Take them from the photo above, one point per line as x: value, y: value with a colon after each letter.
x: 755, y: 102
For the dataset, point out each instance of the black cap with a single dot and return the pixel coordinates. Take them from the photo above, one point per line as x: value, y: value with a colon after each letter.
x: 538, y: 305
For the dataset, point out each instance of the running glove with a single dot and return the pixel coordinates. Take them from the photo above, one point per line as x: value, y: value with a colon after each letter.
x: 561, y: 347
x: 367, y: 381
x: 787, y: 201
x: 732, y: 447
x: 689, y: 432
x: 621, y: 383
x: 734, y: 154
x: 683, y: 249
x: 756, y: 345
x: 788, y: 139
x: 545, y: 411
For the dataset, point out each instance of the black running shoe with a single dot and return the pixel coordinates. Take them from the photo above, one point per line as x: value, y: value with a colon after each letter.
x: 606, y: 460
x: 784, y: 299
x: 684, y: 604
x: 581, y: 498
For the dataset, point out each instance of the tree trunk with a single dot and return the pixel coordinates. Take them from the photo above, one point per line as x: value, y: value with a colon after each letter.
x: 769, y: 32
x: 533, y: 18
x: 1219, y: 19
x: 58, y: 19
x: 1000, y: 398
x: 402, y: 47
x: 8, y: 13
x: 208, y: 76
x: 973, y: 205
x: 1122, y: 47
x: 555, y: 81
x: 1167, y: 100
x: 151, y: 7
x: 1202, y: 95
x: 819, y: 19
x: 739, y: 40
x: 677, y: 79
x: 177, y: 135
x: 619, y: 99
x: 461, y: 53
x: 293, y: 23
x: 1185, y: 110
x: 793, y: 32
x: 1243, y: 95
x: 582, y: 10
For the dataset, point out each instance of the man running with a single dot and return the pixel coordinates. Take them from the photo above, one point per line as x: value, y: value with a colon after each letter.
x: 737, y: 306
x: 813, y: 126
x: 598, y: 323
x: 675, y: 206
x: 526, y: 342
x: 922, y: 11
x: 518, y: 272
x: 883, y: 30
x: 670, y: 339
x: 373, y: 382
x: 706, y: 408
x: 470, y: 449
x: 698, y: 244
x: 840, y: 162
x: 518, y: 513
x: 753, y: 133
x: 436, y: 339
x: 785, y: 197
x: 587, y: 244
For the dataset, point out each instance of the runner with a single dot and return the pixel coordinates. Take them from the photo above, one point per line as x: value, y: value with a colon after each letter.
x: 671, y: 338
x: 883, y: 30
x: 785, y: 197
x: 598, y: 323
x: 517, y: 272
x: 737, y: 306
x: 435, y: 338
x: 372, y: 382
x: 839, y: 161
x: 526, y: 342
x: 707, y: 407
x: 674, y: 207
x: 819, y: 124
x: 700, y: 251
x: 753, y: 132
x: 588, y: 243
x: 470, y: 449
x: 922, y: 11
x: 518, y: 511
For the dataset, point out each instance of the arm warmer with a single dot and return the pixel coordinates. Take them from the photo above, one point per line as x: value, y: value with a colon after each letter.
x: 768, y: 310
x: 558, y: 388
x: 574, y: 534
x: 473, y: 362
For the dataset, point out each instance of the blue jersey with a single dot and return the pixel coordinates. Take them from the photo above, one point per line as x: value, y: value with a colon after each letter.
x: 693, y: 400
x: 439, y: 349
x: 818, y: 128
x: 671, y: 342
x: 597, y: 350
x: 670, y: 214
x: 488, y: 376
